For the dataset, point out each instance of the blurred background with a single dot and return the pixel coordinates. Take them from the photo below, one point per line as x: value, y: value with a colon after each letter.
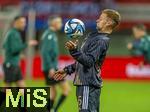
x: 126, y: 85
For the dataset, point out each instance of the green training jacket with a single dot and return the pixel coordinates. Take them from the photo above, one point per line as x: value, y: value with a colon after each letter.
x: 145, y: 46
x: 49, y: 50
x: 13, y: 45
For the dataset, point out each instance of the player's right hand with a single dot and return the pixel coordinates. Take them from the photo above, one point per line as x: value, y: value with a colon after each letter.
x: 71, y: 45
x: 59, y: 75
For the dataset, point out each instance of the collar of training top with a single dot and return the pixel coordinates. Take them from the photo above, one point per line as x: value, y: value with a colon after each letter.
x: 95, y: 33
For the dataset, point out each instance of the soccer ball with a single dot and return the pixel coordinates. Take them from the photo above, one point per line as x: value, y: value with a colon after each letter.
x: 74, y: 28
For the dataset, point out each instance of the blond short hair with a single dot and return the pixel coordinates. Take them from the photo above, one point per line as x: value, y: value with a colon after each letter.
x: 114, y: 16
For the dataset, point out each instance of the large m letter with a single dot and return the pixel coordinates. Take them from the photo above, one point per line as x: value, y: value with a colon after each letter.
x: 13, y: 101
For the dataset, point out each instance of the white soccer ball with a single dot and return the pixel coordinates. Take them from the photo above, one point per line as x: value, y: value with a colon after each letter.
x: 74, y: 28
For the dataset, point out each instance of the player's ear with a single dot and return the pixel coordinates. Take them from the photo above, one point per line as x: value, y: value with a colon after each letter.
x: 109, y: 23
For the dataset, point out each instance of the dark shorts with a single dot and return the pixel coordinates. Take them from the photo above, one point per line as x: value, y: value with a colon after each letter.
x: 12, y: 73
x: 50, y: 81
x: 88, y: 98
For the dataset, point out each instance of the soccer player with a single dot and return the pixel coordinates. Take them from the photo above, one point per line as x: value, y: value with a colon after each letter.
x: 142, y: 45
x: 49, y: 53
x: 145, y: 44
x: 13, y: 46
x: 89, y: 59
x: 139, y: 31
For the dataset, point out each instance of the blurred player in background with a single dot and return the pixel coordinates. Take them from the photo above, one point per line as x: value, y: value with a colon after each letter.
x: 139, y: 31
x: 145, y: 47
x: 140, y: 46
x: 50, y: 52
x: 89, y: 59
x: 13, y: 47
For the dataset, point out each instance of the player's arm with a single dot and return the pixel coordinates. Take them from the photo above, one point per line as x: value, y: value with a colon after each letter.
x: 68, y: 70
x: 48, y: 59
x: 48, y: 51
x: 89, y: 57
x: 54, y: 46
x: 144, y: 46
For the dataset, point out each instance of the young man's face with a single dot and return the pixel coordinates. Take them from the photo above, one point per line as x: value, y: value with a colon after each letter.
x: 57, y: 23
x: 137, y: 33
x: 103, y: 21
x: 21, y: 23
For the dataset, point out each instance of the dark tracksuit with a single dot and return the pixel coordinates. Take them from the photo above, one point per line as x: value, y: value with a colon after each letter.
x: 13, y: 46
x: 89, y: 59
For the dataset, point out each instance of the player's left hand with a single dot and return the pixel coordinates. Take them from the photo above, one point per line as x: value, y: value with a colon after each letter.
x: 70, y: 45
x: 59, y: 75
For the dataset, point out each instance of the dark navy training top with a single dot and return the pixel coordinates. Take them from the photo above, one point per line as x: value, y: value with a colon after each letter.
x: 89, y: 59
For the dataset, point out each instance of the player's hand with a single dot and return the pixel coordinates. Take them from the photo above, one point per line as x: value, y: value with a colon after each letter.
x: 129, y: 46
x: 59, y: 75
x: 71, y: 45
x: 51, y: 73
x: 32, y: 43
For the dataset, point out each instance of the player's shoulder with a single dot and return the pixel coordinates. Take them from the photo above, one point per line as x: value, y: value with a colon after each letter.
x: 46, y: 32
x: 11, y: 33
x: 145, y: 38
x: 99, y: 38
x: 148, y: 37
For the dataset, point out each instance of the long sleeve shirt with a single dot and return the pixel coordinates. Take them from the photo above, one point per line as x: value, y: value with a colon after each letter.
x: 89, y: 59
x: 13, y: 45
x: 49, y: 50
